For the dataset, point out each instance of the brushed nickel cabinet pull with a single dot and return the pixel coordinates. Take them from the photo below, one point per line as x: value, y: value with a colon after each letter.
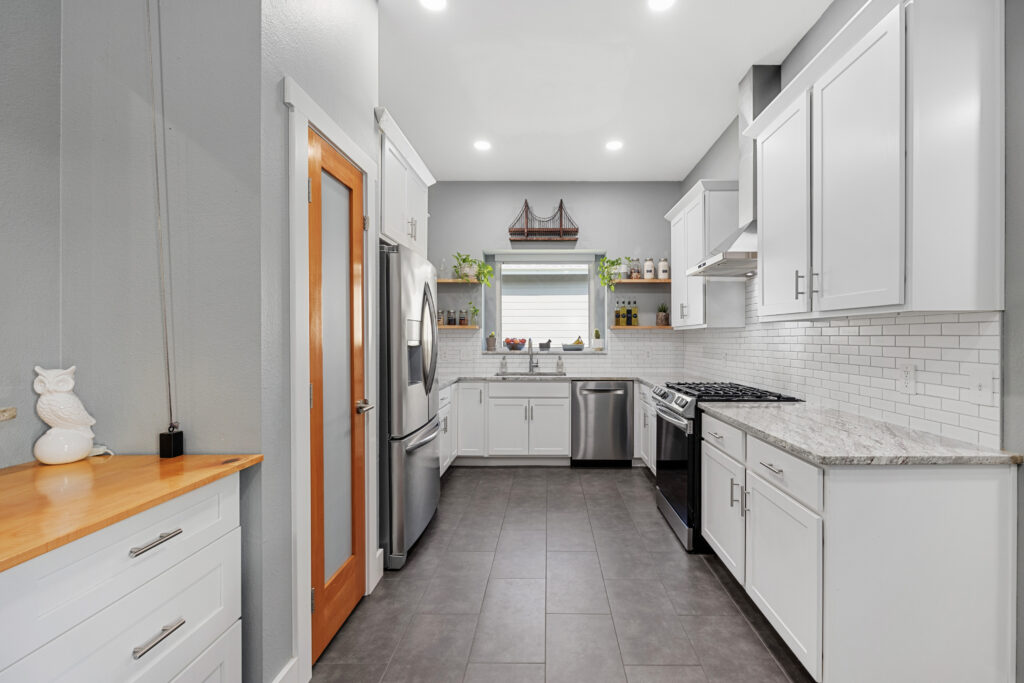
x: 771, y: 468
x: 732, y: 485
x: 715, y: 434
x: 141, y: 650
x: 796, y: 284
x: 162, y: 538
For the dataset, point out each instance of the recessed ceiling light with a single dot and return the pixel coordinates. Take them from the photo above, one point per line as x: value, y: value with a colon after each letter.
x: 655, y: 5
x: 613, y: 145
x: 438, y: 5
x: 481, y: 145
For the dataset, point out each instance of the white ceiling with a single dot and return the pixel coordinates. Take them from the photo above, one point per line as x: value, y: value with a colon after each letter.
x: 548, y: 82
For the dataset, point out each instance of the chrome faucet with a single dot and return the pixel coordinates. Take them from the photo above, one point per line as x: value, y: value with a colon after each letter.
x: 534, y: 362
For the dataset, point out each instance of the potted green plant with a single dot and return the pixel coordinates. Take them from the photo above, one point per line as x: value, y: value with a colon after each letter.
x: 608, y: 271
x: 474, y: 314
x: 467, y: 269
x: 492, y: 342
x: 597, y: 345
x: 662, y: 317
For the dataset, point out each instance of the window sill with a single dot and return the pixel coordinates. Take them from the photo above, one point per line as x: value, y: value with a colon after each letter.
x: 551, y: 353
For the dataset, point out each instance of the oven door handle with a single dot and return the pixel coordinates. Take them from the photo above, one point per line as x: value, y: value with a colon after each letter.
x: 685, y: 425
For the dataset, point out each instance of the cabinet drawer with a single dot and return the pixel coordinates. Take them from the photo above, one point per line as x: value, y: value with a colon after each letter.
x: 644, y: 393
x: 219, y: 663
x: 444, y: 397
x: 725, y: 438
x: 202, y: 594
x: 51, y: 593
x: 528, y: 389
x: 789, y: 473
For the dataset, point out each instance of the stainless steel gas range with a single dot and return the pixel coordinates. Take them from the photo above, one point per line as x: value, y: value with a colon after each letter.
x: 678, y: 448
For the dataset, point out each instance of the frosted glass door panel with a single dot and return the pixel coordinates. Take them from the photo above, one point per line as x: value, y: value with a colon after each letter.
x: 337, y: 379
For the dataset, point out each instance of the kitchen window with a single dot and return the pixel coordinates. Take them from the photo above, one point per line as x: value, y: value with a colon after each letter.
x: 546, y: 295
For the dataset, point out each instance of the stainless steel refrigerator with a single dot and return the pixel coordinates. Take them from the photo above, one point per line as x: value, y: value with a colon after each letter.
x: 410, y: 463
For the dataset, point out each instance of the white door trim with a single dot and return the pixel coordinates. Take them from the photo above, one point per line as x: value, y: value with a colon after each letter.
x: 303, y: 114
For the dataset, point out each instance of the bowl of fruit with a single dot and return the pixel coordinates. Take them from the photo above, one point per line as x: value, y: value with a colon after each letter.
x: 513, y: 344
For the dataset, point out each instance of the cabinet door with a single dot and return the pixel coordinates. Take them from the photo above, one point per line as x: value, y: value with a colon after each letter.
x: 651, y: 438
x: 395, y: 220
x: 549, y: 426
x: 858, y: 219
x: 694, y: 231
x: 784, y: 212
x: 784, y: 568
x: 444, y: 415
x: 416, y: 207
x: 721, y: 507
x: 677, y: 235
x: 508, y: 426
x: 472, y: 423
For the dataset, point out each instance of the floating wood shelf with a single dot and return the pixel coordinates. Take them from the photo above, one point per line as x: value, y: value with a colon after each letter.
x: 458, y: 327
x: 642, y: 327
x: 455, y: 281
x: 642, y: 282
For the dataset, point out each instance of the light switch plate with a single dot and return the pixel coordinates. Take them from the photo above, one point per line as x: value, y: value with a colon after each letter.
x: 980, y: 383
x: 906, y: 383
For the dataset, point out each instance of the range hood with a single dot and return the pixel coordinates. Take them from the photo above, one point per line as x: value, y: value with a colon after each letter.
x: 737, y: 255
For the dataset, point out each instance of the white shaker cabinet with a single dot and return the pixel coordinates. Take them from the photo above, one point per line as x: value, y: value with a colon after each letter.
x: 784, y: 568
x: 721, y: 508
x: 858, y: 188
x: 404, y: 187
x: 694, y: 229
x: 784, y: 212
x: 444, y: 415
x: 549, y: 426
x: 508, y: 426
x: 472, y: 418
x: 679, y: 291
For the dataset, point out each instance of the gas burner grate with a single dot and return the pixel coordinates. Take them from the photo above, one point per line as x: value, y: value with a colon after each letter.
x: 726, y: 391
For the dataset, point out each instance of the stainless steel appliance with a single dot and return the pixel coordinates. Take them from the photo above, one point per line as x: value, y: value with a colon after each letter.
x: 602, y: 423
x: 678, y: 449
x: 410, y: 464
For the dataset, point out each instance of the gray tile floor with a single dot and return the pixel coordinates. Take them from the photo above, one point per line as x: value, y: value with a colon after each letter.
x: 554, y: 574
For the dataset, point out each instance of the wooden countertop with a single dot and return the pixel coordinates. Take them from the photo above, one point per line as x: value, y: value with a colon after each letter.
x: 42, y: 507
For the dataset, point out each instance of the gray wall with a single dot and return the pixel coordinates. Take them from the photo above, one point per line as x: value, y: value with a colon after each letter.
x: 330, y: 49
x: 831, y: 20
x: 625, y: 219
x: 29, y: 213
x: 1013, y: 318
x: 721, y: 161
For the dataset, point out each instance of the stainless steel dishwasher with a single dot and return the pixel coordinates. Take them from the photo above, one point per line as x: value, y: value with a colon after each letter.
x: 602, y: 422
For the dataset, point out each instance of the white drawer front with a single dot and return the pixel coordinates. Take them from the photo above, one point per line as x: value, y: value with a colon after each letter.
x: 50, y: 594
x: 528, y: 389
x: 204, y: 590
x: 444, y: 397
x: 725, y: 438
x: 789, y: 473
x: 220, y: 663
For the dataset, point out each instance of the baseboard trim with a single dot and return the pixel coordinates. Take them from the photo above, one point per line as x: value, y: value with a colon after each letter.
x: 511, y: 461
x: 290, y: 672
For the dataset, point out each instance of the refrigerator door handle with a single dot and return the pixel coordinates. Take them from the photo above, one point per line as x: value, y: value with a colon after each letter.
x: 432, y: 433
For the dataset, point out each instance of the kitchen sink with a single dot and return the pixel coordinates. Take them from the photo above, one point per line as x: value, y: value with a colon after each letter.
x: 529, y: 374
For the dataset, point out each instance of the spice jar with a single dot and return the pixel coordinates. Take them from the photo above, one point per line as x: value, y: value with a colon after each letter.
x: 648, y: 268
x: 663, y: 272
x: 634, y: 269
x: 451, y: 318
x: 463, y: 317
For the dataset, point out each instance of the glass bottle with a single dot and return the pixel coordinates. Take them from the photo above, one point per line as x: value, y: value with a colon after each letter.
x: 629, y: 315
x: 636, y: 315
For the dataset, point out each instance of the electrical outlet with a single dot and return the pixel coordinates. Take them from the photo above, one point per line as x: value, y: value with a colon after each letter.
x: 906, y: 383
x: 980, y: 383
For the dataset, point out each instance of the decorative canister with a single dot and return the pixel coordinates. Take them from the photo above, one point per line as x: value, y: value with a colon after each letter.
x: 451, y: 318
x: 634, y: 269
x: 648, y: 268
x: 663, y: 272
x: 463, y: 317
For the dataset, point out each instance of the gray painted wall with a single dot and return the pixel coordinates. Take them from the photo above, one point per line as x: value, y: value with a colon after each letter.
x: 721, y: 161
x: 29, y: 213
x: 831, y: 20
x: 330, y: 49
x: 626, y: 219
x: 1013, y: 318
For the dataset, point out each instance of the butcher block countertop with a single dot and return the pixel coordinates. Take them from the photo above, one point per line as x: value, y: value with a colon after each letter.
x: 43, y: 507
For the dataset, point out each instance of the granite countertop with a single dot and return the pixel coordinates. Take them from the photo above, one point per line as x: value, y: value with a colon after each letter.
x: 827, y: 437
x: 445, y: 383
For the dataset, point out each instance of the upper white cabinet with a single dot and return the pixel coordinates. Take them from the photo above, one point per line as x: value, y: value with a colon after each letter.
x: 784, y: 211
x: 404, y: 181
x: 699, y: 222
x: 857, y: 143
x: 878, y: 187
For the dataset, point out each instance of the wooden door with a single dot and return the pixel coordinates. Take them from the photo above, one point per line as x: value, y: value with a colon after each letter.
x: 721, y: 507
x: 858, y: 220
x: 337, y: 385
x: 784, y: 212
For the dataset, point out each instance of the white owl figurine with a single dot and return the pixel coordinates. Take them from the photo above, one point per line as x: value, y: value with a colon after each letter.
x: 70, y: 435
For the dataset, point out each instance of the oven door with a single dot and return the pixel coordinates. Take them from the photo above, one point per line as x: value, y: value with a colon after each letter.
x: 677, y: 476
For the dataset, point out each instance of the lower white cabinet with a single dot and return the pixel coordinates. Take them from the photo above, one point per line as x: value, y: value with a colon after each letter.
x: 721, y: 508
x: 219, y: 663
x: 549, y: 426
x: 447, y: 437
x: 528, y: 426
x: 472, y: 418
x: 783, y: 568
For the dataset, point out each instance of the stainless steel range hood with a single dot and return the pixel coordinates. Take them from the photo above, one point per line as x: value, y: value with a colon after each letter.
x: 737, y: 255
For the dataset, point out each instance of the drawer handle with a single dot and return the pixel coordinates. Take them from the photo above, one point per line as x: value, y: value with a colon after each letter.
x: 162, y: 538
x: 141, y: 650
x: 716, y: 435
x: 771, y: 468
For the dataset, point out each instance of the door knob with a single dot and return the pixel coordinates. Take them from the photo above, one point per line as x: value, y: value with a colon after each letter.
x: 363, y: 406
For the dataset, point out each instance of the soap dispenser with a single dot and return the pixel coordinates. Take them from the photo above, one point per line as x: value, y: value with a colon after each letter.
x: 503, y: 368
x: 560, y: 366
